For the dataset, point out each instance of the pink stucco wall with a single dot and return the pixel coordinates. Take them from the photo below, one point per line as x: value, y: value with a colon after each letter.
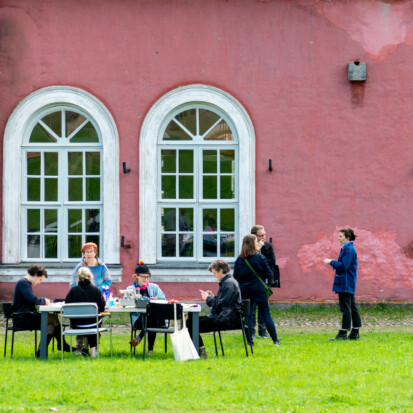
x: 342, y: 152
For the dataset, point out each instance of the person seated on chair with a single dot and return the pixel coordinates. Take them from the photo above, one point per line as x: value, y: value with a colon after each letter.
x: 24, y: 300
x: 149, y: 291
x: 86, y: 292
x: 225, y: 306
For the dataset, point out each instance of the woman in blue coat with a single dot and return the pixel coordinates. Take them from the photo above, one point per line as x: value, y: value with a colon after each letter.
x: 344, y: 285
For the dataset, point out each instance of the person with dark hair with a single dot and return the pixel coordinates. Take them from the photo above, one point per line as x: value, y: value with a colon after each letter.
x: 344, y: 285
x: 100, y: 272
x: 86, y: 292
x: 24, y: 300
x: 267, y: 250
x: 251, y: 286
x: 149, y: 291
x: 224, y: 305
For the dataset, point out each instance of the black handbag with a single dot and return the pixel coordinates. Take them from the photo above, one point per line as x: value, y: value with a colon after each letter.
x: 276, y: 277
x: 268, y: 291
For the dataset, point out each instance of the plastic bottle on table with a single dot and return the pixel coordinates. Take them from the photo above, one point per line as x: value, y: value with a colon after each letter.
x: 111, y: 302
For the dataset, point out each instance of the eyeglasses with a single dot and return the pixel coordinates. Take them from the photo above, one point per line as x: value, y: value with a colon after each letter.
x: 262, y: 235
x: 143, y: 276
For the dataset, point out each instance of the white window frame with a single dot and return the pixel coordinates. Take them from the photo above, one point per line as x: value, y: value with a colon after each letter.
x: 17, y: 125
x: 148, y: 160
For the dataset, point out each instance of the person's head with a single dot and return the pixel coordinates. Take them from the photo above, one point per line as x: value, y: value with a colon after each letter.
x: 249, y: 246
x: 37, y: 273
x: 259, y: 232
x: 219, y: 269
x: 90, y: 250
x: 84, y: 274
x: 142, y: 274
x: 345, y: 235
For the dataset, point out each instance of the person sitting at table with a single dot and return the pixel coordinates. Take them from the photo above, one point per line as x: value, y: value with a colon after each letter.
x: 86, y: 292
x: 224, y: 306
x: 149, y: 291
x: 24, y: 300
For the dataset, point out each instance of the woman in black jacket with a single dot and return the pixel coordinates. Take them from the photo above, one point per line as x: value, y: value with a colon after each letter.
x: 251, y: 287
x: 86, y: 292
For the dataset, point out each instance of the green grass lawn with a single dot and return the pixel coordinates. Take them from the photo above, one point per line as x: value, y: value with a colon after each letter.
x: 306, y: 373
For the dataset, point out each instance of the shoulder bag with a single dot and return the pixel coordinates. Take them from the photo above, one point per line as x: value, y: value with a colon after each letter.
x: 268, y: 291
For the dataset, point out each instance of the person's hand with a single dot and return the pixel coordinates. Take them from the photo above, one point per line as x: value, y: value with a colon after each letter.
x: 153, y: 298
x: 47, y: 301
x: 204, y: 294
x: 210, y: 293
x: 261, y: 243
x: 327, y: 261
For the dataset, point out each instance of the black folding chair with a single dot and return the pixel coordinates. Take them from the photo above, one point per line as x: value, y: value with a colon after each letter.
x: 243, y: 313
x: 10, y: 315
x: 161, y: 312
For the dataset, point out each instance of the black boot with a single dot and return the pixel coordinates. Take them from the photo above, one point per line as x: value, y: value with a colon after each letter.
x: 66, y: 346
x: 342, y: 335
x: 354, y: 335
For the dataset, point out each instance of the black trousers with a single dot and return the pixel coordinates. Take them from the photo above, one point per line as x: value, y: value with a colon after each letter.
x: 350, y: 311
x: 152, y: 323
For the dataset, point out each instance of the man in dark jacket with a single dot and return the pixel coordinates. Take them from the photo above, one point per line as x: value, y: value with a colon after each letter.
x: 267, y: 250
x: 225, y: 305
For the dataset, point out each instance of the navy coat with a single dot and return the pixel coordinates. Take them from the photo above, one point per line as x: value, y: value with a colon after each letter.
x: 345, y: 279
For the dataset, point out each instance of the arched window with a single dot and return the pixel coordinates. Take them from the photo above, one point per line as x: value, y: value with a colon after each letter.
x: 60, y: 178
x: 192, y: 145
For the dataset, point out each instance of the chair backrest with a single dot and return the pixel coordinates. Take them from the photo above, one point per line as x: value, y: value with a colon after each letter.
x: 245, y: 307
x: 8, y: 310
x: 79, y: 310
x: 164, y: 311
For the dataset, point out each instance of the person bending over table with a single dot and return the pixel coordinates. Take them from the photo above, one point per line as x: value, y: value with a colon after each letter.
x: 24, y: 300
x: 86, y: 292
x: 149, y: 291
x: 224, y: 306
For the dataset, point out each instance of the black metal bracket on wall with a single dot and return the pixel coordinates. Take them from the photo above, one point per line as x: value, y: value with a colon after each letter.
x: 122, y: 243
x: 270, y: 165
x: 125, y: 170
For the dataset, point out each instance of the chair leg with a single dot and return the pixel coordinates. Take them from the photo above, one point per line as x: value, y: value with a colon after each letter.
x: 166, y: 343
x: 215, y: 342
x: 220, y: 340
x: 245, y: 339
x: 5, y: 342
x: 12, y: 343
x: 35, y: 342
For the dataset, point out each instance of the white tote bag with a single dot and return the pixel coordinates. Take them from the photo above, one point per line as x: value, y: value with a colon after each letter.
x: 182, y: 344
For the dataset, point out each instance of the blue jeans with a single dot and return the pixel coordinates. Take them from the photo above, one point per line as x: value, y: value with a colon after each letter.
x: 255, y: 293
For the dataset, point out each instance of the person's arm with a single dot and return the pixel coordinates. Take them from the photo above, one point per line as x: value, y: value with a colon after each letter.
x: 107, y: 280
x: 73, y: 281
x: 157, y: 292
x: 345, y: 262
x: 68, y: 298
x: 224, y: 297
x: 100, y: 301
x: 235, y: 273
x: 29, y: 296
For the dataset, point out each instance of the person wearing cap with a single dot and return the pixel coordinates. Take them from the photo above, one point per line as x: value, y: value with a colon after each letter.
x: 149, y: 291
x: 98, y: 269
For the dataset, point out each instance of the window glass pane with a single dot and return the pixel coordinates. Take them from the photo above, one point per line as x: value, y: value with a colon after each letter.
x: 75, y: 160
x: 33, y: 163
x: 50, y: 220
x: 186, y: 219
x: 186, y: 245
x: 186, y: 187
x: 93, y: 238
x: 209, y: 161
x: 210, y: 187
x: 50, y: 246
x: 188, y: 119
x: 73, y: 121
x: 33, y: 246
x: 54, y: 122
x: 186, y: 161
x: 33, y: 220
x: 168, y: 161
x: 168, y: 216
x: 51, y: 165
x: 75, y: 220
x: 173, y: 132
x: 75, y: 246
x: 227, y: 219
x: 33, y: 189
x: 168, y: 245
x: 92, y: 189
x: 92, y: 220
x: 227, y: 159
x: 50, y: 189
x: 227, y: 191
x: 227, y: 245
x: 206, y: 120
x: 40, y: 135
x: 209, y: 245
x: 92, y: 163
x: 87, y: 134
x: 169, y: 187
x: 210, y: 220
x: 221, y: 132
x: 75, y: 189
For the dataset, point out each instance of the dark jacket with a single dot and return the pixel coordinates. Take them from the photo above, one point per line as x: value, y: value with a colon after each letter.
x: 267, y: 250
x: 246, y: 277
x: 345, y: 279
x: 85, y: 292
x: 227, y: 302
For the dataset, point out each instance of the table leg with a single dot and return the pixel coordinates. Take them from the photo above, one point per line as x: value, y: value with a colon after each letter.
x: 43, y: 337
x: 195, y: 329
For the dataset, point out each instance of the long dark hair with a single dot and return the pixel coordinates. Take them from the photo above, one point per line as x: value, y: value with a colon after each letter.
x: 248, y: 246
x: 348, y: 233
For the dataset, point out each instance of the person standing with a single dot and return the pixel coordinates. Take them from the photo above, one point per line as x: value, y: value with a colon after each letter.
x: 267, y: 250
x: 345, y: 281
